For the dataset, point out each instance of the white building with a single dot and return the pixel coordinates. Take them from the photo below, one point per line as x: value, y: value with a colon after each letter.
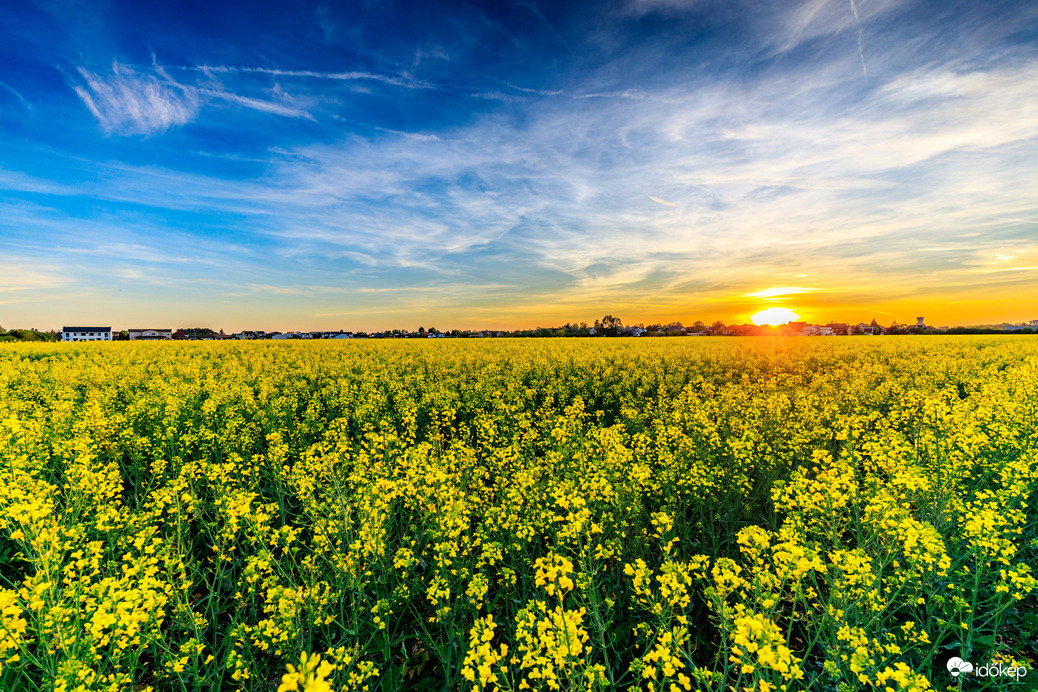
x: 86, y: 333
x: 150, y: 334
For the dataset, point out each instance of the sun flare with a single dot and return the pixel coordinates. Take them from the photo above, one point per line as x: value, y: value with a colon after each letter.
x: 774, y: 316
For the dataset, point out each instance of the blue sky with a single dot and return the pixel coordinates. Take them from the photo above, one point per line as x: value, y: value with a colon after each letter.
x: 380, y: 164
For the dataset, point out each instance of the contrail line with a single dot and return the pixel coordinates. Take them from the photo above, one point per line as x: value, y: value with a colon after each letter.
x: 861, y: 47
x: 1002, y: 218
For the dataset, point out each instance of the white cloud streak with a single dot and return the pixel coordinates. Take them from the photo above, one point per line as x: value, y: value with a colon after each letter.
x: 1002, y: 218
x: 778, y: 291
x: 21, y: 99
x: 401, y: 80
x: 258, y: 104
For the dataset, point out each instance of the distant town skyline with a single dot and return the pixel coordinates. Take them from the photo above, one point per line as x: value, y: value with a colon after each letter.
x: 370, y: 165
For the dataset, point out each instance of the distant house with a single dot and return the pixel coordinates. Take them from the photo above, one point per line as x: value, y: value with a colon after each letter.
x: 86, y: 333
x: 250, y: 334
x: 150, y: 334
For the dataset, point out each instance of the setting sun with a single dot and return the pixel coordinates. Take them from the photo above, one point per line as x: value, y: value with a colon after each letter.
x: 774, y: 316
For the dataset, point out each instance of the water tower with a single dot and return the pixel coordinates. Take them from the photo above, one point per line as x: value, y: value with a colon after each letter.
x: 919, y: 322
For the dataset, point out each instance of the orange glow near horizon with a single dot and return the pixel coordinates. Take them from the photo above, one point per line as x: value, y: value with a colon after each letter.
x: 774, y: 316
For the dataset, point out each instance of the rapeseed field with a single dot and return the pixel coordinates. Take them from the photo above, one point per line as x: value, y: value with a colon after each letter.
x: 597, y: 514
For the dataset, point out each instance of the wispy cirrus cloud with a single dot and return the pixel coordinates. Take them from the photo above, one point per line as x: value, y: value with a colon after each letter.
x: 787, y: 26
x: 16, y: 277
x: 128, y: 102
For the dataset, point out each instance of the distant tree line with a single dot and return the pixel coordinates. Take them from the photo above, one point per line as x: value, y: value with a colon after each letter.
x: 27, y: 335
x: 989, y: 330
x: 609, y: 325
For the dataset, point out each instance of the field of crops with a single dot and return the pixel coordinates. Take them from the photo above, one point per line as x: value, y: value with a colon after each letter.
x: 656, y: 514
